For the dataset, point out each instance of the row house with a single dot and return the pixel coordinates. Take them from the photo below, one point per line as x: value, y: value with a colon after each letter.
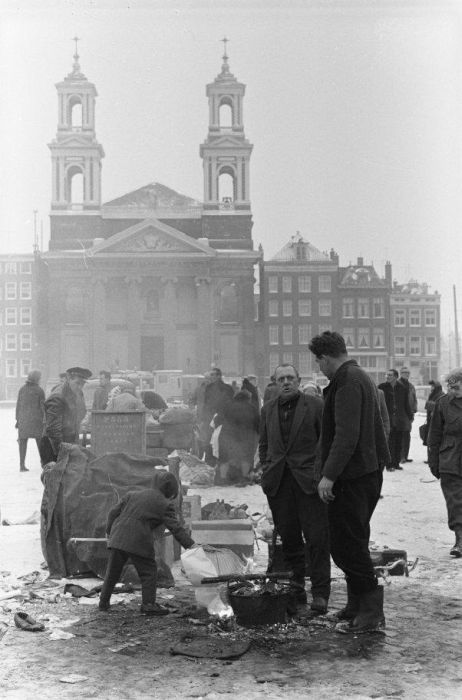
x: 415, y: 330
x: 16, y: 314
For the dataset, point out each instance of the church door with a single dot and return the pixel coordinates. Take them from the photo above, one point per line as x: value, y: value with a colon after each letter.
x: 152, y: 353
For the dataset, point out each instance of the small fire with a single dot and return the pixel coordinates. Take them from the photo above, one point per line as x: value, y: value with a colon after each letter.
x: 225, y: 613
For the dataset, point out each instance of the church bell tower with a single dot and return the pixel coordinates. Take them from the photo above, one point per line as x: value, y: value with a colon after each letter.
x: 226, y: 154
x: 75, y: 153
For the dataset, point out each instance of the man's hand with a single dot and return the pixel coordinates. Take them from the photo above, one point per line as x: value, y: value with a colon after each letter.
x: 325, y: 489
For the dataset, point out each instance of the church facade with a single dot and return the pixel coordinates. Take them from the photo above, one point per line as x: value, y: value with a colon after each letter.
x: 153, y: 279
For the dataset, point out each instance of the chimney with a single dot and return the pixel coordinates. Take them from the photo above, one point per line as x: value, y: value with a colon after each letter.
x: 360, y: 262
x: 388, y: 276
x: 334, y: 256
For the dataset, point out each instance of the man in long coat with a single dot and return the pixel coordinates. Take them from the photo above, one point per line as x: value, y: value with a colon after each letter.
x: 64, y: 411
x: 400, y: 414
x: 30, y: 415
x: 353, y: 451
x: 290, y: 427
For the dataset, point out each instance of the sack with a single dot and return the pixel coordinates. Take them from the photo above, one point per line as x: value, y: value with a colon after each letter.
x: 423, y: 432
x: 198, y: 564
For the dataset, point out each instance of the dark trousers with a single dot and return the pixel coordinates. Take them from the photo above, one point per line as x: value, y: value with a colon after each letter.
x: 297, y: 514
x: 395, y: 441
x: 349, y: 517
x: 405, y: 444
x: 23, y: 450
x: 145, y: 568
x: 451, y: 485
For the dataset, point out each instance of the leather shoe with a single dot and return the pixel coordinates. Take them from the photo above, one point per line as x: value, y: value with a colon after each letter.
x: 104, y: 607
x: 23, y: 469
x: 154, y: 609
x: 398, y: 466
x: 319, y: 605
x: 27, y: 623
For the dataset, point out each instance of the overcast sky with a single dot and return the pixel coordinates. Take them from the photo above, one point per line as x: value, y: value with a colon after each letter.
x: 354, y: 110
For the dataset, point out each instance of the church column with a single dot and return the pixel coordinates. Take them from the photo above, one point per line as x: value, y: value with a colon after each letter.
x: 247, y: 304
x: 98, y: 330
x: 204, y: 322
x: 169, y: 317
x: 134, y: 322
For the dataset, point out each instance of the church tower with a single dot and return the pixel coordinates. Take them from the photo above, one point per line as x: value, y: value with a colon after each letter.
x: 226, y: 158
x: 75, y: 153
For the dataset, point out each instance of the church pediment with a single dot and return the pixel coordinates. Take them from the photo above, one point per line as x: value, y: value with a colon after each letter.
x: 227, y: 142
x: 152, y: 237
x: 74, y: 142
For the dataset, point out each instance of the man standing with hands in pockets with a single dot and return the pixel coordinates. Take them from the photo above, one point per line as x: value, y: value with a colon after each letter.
x: 353, y: 451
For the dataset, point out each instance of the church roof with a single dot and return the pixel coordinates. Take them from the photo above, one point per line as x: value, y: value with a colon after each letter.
x: 154, y: 196
x: 299, y: 250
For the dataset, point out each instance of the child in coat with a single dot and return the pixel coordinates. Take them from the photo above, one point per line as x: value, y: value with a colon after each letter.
x: 129, y: 530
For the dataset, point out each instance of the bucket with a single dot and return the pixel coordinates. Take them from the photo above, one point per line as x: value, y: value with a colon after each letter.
x: 264, y: 609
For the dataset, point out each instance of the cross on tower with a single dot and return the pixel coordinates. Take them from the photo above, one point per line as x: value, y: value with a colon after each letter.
x: 225, y: 41
x: 76, y: 39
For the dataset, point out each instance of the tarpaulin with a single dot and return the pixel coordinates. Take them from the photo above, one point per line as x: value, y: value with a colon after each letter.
x: 79, y: 491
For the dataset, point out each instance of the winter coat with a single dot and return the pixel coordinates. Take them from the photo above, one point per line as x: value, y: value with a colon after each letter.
x: 30, y: 411
x: 353, y: 441
x: 430, y: 403
x: 445, y: 437
x: 384, y: 413
x: 239, y: 433
x: 130, y: 523
x: 101, y: 397
x: 64, y: 411
x: 412, y: 394
x: 299, y: 453
x: 398, y: 405
x: 253, y: 391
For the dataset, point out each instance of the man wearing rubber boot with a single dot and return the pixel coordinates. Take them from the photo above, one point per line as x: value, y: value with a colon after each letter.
x: 353, y: 452
x: 290, y: 426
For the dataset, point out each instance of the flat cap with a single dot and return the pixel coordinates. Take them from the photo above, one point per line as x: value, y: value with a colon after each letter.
x: 79, y: 372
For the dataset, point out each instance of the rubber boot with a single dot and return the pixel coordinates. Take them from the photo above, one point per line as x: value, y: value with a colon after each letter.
x: 456, y: 550
x: 370, y: 617
x: 351, y: 609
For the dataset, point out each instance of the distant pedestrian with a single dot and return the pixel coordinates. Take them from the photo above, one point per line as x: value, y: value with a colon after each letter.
x: 400, y: 414
x: 238, y: 439
x: 271, y: 390
x: 30, y: 415
x: 101, y: 395
x: 249, y: 384
x: 445, y: 453
x: 404, y: 375
x: 353, y: 450
x: 64, y: 411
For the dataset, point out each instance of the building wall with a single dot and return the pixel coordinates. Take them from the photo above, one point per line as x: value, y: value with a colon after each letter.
x: 17, y: 338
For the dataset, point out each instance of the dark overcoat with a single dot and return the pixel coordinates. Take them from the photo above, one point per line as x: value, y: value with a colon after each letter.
x: 30, y: 412
x: 445, y: 436
x: 299, y: 453
x: 130, y: 523
x: 64, y: 411
x: 398, y: 405
x: 353, y: 441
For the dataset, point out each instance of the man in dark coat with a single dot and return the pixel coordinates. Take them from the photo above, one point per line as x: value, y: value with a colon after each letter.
x: 445, y: 453
x: 400, y: 414
x: 290, y: 426
x: 64, y: 411
x: 101, y: 395
x: 404, y: 374
x: 353, y: 450
x: 130, y: 526
x: 216, y: 395
x: 30, y: 415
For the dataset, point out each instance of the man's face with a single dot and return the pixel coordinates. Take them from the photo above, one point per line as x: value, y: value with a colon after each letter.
x: 325, y: 365
x: 456, y: 389
x: 287, y: 381
x: 76, y: 384
x: 405, y: 374
x: 214, y: 375
x: 103, y: 380
x: 391, y: 378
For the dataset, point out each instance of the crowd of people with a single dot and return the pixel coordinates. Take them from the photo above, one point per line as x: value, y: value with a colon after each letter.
x: 320, y: 454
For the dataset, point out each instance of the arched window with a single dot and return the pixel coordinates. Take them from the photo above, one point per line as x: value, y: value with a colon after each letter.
x: 74, y: 305
x: 225, y: 117
x: 228, y: 306
x: 75, y: 186
x: 75, y: 107
x: 226, y: 185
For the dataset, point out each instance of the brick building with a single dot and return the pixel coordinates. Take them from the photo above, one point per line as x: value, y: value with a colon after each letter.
x: 17, y: 340
x: 415, y: 330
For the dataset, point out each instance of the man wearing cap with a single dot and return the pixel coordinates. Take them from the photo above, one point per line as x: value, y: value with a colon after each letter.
x: 64, y: 411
